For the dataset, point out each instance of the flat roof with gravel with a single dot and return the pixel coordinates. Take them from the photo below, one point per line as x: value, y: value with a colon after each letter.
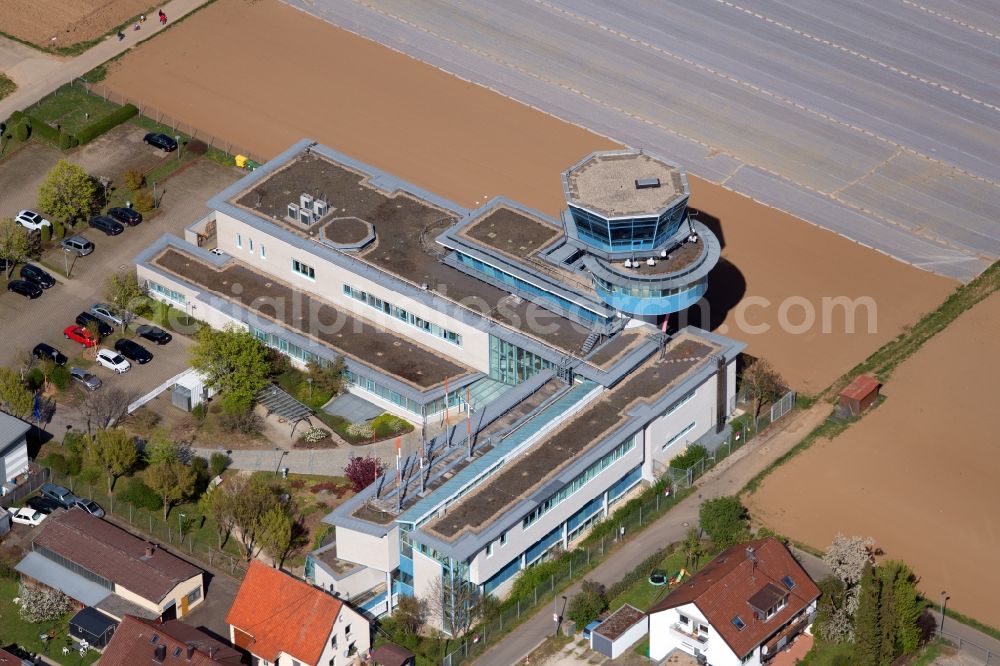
x: 606, y: 184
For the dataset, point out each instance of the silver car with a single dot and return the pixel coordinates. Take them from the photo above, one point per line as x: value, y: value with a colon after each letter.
x: 87, y: 380
x: 104, y: 311
x: 78, y: 245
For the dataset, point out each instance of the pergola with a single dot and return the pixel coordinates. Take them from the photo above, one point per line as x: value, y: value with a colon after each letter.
x: 276, y: 401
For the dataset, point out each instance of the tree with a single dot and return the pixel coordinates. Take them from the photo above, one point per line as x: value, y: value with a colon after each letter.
x: 410, y: 614
x: 762, y: 384
x: 362, y: 471
x: 94, y: 331
x: 908, y: 607
x: 15, y: 398
x: 217, y: 463
x: 833, y: 623
x: 106, y: 407
x: 217, y: 504
x: 125, y: 295
x: 276, y: 533
x: 173, y: 481
x: 327, y: 377
x: 251, y: 498
x: 451, y: 601
x: 234, y: 362
x: 42, y: 604
x: 725, y: 520
x: 67, y: 192
x: 588, y: 603
x: 160, y: 448
x: 692, y: 548
x: 114, y: 451
x: 867, y: 638
x: 13, y: 243
x: 847, y: 557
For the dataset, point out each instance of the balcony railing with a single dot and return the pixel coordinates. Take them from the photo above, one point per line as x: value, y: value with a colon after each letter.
x: 684, y: 631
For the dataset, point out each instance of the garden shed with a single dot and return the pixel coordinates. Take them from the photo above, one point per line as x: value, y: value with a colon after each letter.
x: 620, y: 631
x: 858, y: 396
x: 92, y: 626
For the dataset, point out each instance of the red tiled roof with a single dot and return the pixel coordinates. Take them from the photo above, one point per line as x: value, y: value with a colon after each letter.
x: 721, y: 591
x: 114, y: 554
x: 133, y: 644
x: 860, y: 387
x: 7, y: 659
x: 283, y: 614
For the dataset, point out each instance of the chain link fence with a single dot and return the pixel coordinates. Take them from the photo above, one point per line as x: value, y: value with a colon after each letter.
x: 974, y: 650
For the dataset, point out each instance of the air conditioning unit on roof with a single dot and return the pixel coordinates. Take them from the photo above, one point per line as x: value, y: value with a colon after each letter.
x: 305, y: 201
x: 319, y: 208
x: 293, y: 211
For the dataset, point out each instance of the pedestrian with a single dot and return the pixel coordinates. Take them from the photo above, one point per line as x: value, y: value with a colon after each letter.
x: 121, y: 35
x: 160, y: 14
x: 142, y: 18
x: 163, y: 19
x: 136, y: 26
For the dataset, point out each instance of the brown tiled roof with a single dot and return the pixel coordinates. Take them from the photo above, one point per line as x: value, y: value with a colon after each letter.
x: 134, y: 643
x: 860, y: 387
x: 283, y: 614
x: 723, y: 588
x: 7, y: 659
x: 114, y: 554
x: 619, y: 622
x: 390, y: 654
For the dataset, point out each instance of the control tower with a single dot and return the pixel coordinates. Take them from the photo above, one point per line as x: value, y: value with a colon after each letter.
x: 628, y: 214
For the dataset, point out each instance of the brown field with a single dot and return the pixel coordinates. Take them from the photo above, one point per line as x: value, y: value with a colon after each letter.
x: 468, y: 143
x: 919, y: 473
x: 62, y: 23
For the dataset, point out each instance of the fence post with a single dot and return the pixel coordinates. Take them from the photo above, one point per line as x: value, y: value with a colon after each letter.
x: 519, y: 608
x: 640, y: 515
x: 536, y: 595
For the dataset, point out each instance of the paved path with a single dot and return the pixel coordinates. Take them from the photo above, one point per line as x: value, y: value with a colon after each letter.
x: 725, y: 479
x: 37, y: 74
x: 878, y: 122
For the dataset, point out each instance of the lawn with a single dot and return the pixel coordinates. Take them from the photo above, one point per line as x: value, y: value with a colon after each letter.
x: 14, y: 630
x: 6, y: 85
x: 643, y: 594
x: 71, y: 107
x: 829, y: 654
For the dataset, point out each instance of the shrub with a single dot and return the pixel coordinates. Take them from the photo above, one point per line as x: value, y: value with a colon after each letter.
x: 145, y: 420
x: 587, y: 604
x: 59, y: 376
x: 105, y: 123
x: 75, y: 442
x: 56, y: 461
x: 143, y: 201
x: 7, y: 570
x: 67, y: 141
x: 363, y: 471
x: 42, y: 604
x: 197, y: 147
x: 43, y: 130
x: 90, y: 475
x: 315, y: 435
x: 22, y: 131
x: 200, y: 411
x: 217, y: 463
x: 138, y: 494
x: 74, y: 464
x: 245, y: 423
x: 387, y: 425
x: 46, y: 234
x: 35, y: 379
x: 133, y: 179
x: 360, y: 431
x: 691, y: 457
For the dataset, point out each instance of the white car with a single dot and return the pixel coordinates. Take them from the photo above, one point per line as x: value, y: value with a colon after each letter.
x: 31, y: 220
x: 26, y: 515
x: 104, y: 311
x: 112, y: 360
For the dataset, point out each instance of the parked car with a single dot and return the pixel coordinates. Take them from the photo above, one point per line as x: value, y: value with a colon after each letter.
x: 112, y: 360
x: 78, y: 245
x: 90, y: 506
x: 43, y: 350
x: 133, y: 350
x: 43, y: 504
x: 106, y: 224
x: 104, y: 311
x: 62, y: 496
x: 154, y: 334
x: 24, y: 288
x: 129, y: 216
x: 103, y: 327
x: 79, y: 334
x: 89, y: 381
x: 26, y: 516
x: 162, y: 141
x: 31, y: 220
x: 39, y: 276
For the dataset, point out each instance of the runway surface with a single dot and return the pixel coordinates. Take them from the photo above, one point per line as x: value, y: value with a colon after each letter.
x: 878, y: 121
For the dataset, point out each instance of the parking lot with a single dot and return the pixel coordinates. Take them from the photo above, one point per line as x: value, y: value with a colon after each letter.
x: 28, y: 322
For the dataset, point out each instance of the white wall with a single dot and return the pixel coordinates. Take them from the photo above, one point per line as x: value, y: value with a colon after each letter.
x: 349, y: 627
x: 362, y: 580
x: 15, y: 461
x: 663, y: 638
x: 629, y: 638
x: 380, y: 553
x: 329, y: 282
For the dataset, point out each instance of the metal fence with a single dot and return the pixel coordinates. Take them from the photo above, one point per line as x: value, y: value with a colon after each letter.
x: 172, y: 531
x: 974, y: 650
x: 782, y: 406
x: 36, y: 477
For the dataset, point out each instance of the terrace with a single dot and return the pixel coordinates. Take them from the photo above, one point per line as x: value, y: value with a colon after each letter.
x: 405, y: 228
x: 346, y: 334
x: 549, y: 456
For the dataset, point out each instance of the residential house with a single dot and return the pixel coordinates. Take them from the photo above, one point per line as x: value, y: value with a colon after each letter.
x: 171, y: 643
x: 743, y: 607
x: 283, y: 621
x: 13, y: 449
x: 101, y: 565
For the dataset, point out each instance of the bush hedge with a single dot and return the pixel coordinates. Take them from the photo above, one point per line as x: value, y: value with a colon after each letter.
x: 22, y: 131
x: 35, y: 379
x: 56, y: 461
x: 138, y: 494
x: 60, y: 377
x: 106, y: 123
x: 691, y: 457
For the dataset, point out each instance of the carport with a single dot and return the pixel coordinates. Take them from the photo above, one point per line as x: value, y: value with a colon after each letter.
x: 92, y: 626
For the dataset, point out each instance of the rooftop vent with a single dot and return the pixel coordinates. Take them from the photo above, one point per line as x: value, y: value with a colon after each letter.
x: 646, y: 183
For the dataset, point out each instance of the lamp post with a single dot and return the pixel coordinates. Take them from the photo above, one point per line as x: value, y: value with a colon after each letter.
x: 277, y: 465
x: 944, y: 602
x: 180, y: 524
x: 154, y: 194
x: 180, y: 146
x: 309, y: 380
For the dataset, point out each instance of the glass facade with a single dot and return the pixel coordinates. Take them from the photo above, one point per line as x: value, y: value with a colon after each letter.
x: 285, y: 347
x: 528, y: 287
x: 169, y: 294
x: 630, y: 234
x: 386, y: 394
x: 402, y: 315
x: 512, y: 365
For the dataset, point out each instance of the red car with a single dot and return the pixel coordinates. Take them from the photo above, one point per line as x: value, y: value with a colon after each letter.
x: 79, y: 334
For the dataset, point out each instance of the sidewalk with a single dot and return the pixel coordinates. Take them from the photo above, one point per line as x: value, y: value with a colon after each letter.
x: 43, y: 74
x: 726, y: 479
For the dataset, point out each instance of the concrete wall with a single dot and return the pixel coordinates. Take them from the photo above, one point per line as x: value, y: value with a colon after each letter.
x: 380, y: 553
x: 426, y: 571
x: 328, y: 284
x: 663, y: 638
x: 353, y: 584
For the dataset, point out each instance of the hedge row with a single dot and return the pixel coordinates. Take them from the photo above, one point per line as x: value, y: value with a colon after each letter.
x: 108, y: 122
x: 641, y: 572
x: 25, y: 125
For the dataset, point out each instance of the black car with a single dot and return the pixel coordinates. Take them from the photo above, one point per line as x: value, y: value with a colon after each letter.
x: 161, y: 141
x: 103, y: 327
x: 128, y: 216
x: 154, y: 334
x: 43, y: 350
x: 106, y: 224
x: 133, y: 351
x: 43, y: 504
x: 33, y: 273
x: 25, y: 288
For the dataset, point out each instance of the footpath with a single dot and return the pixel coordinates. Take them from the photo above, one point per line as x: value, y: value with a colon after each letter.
x: 37, y: 74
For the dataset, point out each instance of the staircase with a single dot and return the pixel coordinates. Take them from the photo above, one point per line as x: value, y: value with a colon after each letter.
x: 589, y: 343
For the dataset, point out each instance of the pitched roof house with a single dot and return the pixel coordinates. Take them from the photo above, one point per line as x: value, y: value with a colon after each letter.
x: 284, y: 621
x: 741, y: 608
x: 171, y: 643
x: 101, y: 565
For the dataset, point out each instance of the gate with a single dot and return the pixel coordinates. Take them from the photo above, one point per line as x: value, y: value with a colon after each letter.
x: 782, y: 406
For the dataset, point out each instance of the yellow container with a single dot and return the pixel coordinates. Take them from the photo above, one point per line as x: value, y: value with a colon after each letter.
x: 241, y: 161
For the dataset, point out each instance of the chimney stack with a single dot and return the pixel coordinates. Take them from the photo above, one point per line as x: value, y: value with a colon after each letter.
x: 160, y: 653
x: 190, y: 651
x: 149, y: 550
